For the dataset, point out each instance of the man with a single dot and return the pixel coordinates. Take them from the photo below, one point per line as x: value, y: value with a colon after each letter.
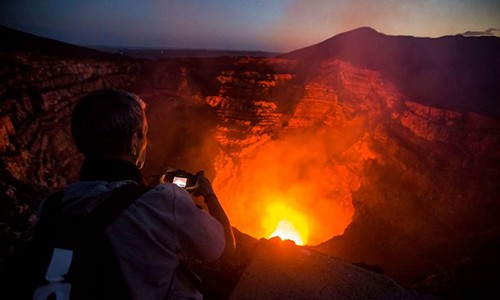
x: 110, y: 128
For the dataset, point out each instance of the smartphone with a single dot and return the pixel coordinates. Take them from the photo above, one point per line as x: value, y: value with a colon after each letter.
x: 180, y: 181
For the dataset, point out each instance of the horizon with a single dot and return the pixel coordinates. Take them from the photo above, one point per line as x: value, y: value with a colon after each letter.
x: 273, y: 26
x: 115, y: 48
x: 479, y: 34
x: 172, y: 49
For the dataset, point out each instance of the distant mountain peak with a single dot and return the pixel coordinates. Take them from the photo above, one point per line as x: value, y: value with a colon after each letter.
x: 408, y: 61
x: 360, y: 34
x: 362, y: 30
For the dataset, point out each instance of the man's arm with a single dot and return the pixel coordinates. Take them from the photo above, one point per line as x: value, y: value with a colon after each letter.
x: 215, y: 209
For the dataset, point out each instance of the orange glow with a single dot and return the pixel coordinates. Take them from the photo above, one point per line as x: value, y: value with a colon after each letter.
x: 301, y: 184
x: 286, y: 223
x: 310, y: 169
x: 286, y: 231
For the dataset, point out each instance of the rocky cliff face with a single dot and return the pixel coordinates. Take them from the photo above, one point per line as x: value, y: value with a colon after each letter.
x: 37, y: 96
x: 404, y: 186
x: 39, y: 86
x: 424, y: 203
x: 424, y: 175
x: 363, y: 168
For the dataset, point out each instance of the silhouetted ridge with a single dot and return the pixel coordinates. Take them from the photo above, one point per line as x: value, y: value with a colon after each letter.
x: 345, y: 45
x: 456, y: 72
x: 18, y: 41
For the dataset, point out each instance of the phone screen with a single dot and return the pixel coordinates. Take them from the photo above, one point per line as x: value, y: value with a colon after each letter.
x: 180, y: 181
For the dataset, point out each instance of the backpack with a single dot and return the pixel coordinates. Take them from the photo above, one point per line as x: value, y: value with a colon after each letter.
x: 80, y: 248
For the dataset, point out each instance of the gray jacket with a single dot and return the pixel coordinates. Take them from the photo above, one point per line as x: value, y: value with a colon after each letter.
x: 151, y: 233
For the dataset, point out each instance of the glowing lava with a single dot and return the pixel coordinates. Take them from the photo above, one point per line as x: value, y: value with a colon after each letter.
x: 285, y: 222
x: 286, y: 231
x: 297, y: 178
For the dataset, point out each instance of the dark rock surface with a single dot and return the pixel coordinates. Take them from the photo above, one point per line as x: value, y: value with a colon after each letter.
x: 281, y: 270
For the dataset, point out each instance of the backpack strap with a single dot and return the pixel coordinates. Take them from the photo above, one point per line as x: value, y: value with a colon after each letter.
x: 111, y: 208
x: 103, y: 215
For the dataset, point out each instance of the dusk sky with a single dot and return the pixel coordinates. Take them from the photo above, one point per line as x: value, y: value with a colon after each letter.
x: 272, y: 25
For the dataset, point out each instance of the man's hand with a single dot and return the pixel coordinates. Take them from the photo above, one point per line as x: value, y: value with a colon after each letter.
x: 215, y: 209
x: 204, y: 186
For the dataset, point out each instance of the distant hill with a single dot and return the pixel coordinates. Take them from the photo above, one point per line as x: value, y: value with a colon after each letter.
x: 15, y: 40
x: 456, y: 72
x: 19, y: 41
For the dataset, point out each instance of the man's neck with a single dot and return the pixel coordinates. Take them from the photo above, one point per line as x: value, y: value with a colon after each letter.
x: 109, y: 169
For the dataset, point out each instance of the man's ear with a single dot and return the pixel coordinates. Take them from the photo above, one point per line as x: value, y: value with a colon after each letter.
x: 134, y: 145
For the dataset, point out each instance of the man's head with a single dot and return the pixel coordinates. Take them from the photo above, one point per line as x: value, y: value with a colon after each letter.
x: 110, y: 123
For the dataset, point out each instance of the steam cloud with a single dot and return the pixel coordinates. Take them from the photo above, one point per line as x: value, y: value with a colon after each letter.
x: 488, y: 32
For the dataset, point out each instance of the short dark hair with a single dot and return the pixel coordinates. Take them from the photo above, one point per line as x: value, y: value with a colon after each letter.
x: 104, y: 121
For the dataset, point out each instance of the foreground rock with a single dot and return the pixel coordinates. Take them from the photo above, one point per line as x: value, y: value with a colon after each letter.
x: 281, y: 270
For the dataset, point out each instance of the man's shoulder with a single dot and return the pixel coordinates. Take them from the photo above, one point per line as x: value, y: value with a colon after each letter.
x: 160, y: 190
x: 169, y: 190
x: 81, y: 189
x: 164, y: 191
x: 167, y: 194
x: 87, y: 195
